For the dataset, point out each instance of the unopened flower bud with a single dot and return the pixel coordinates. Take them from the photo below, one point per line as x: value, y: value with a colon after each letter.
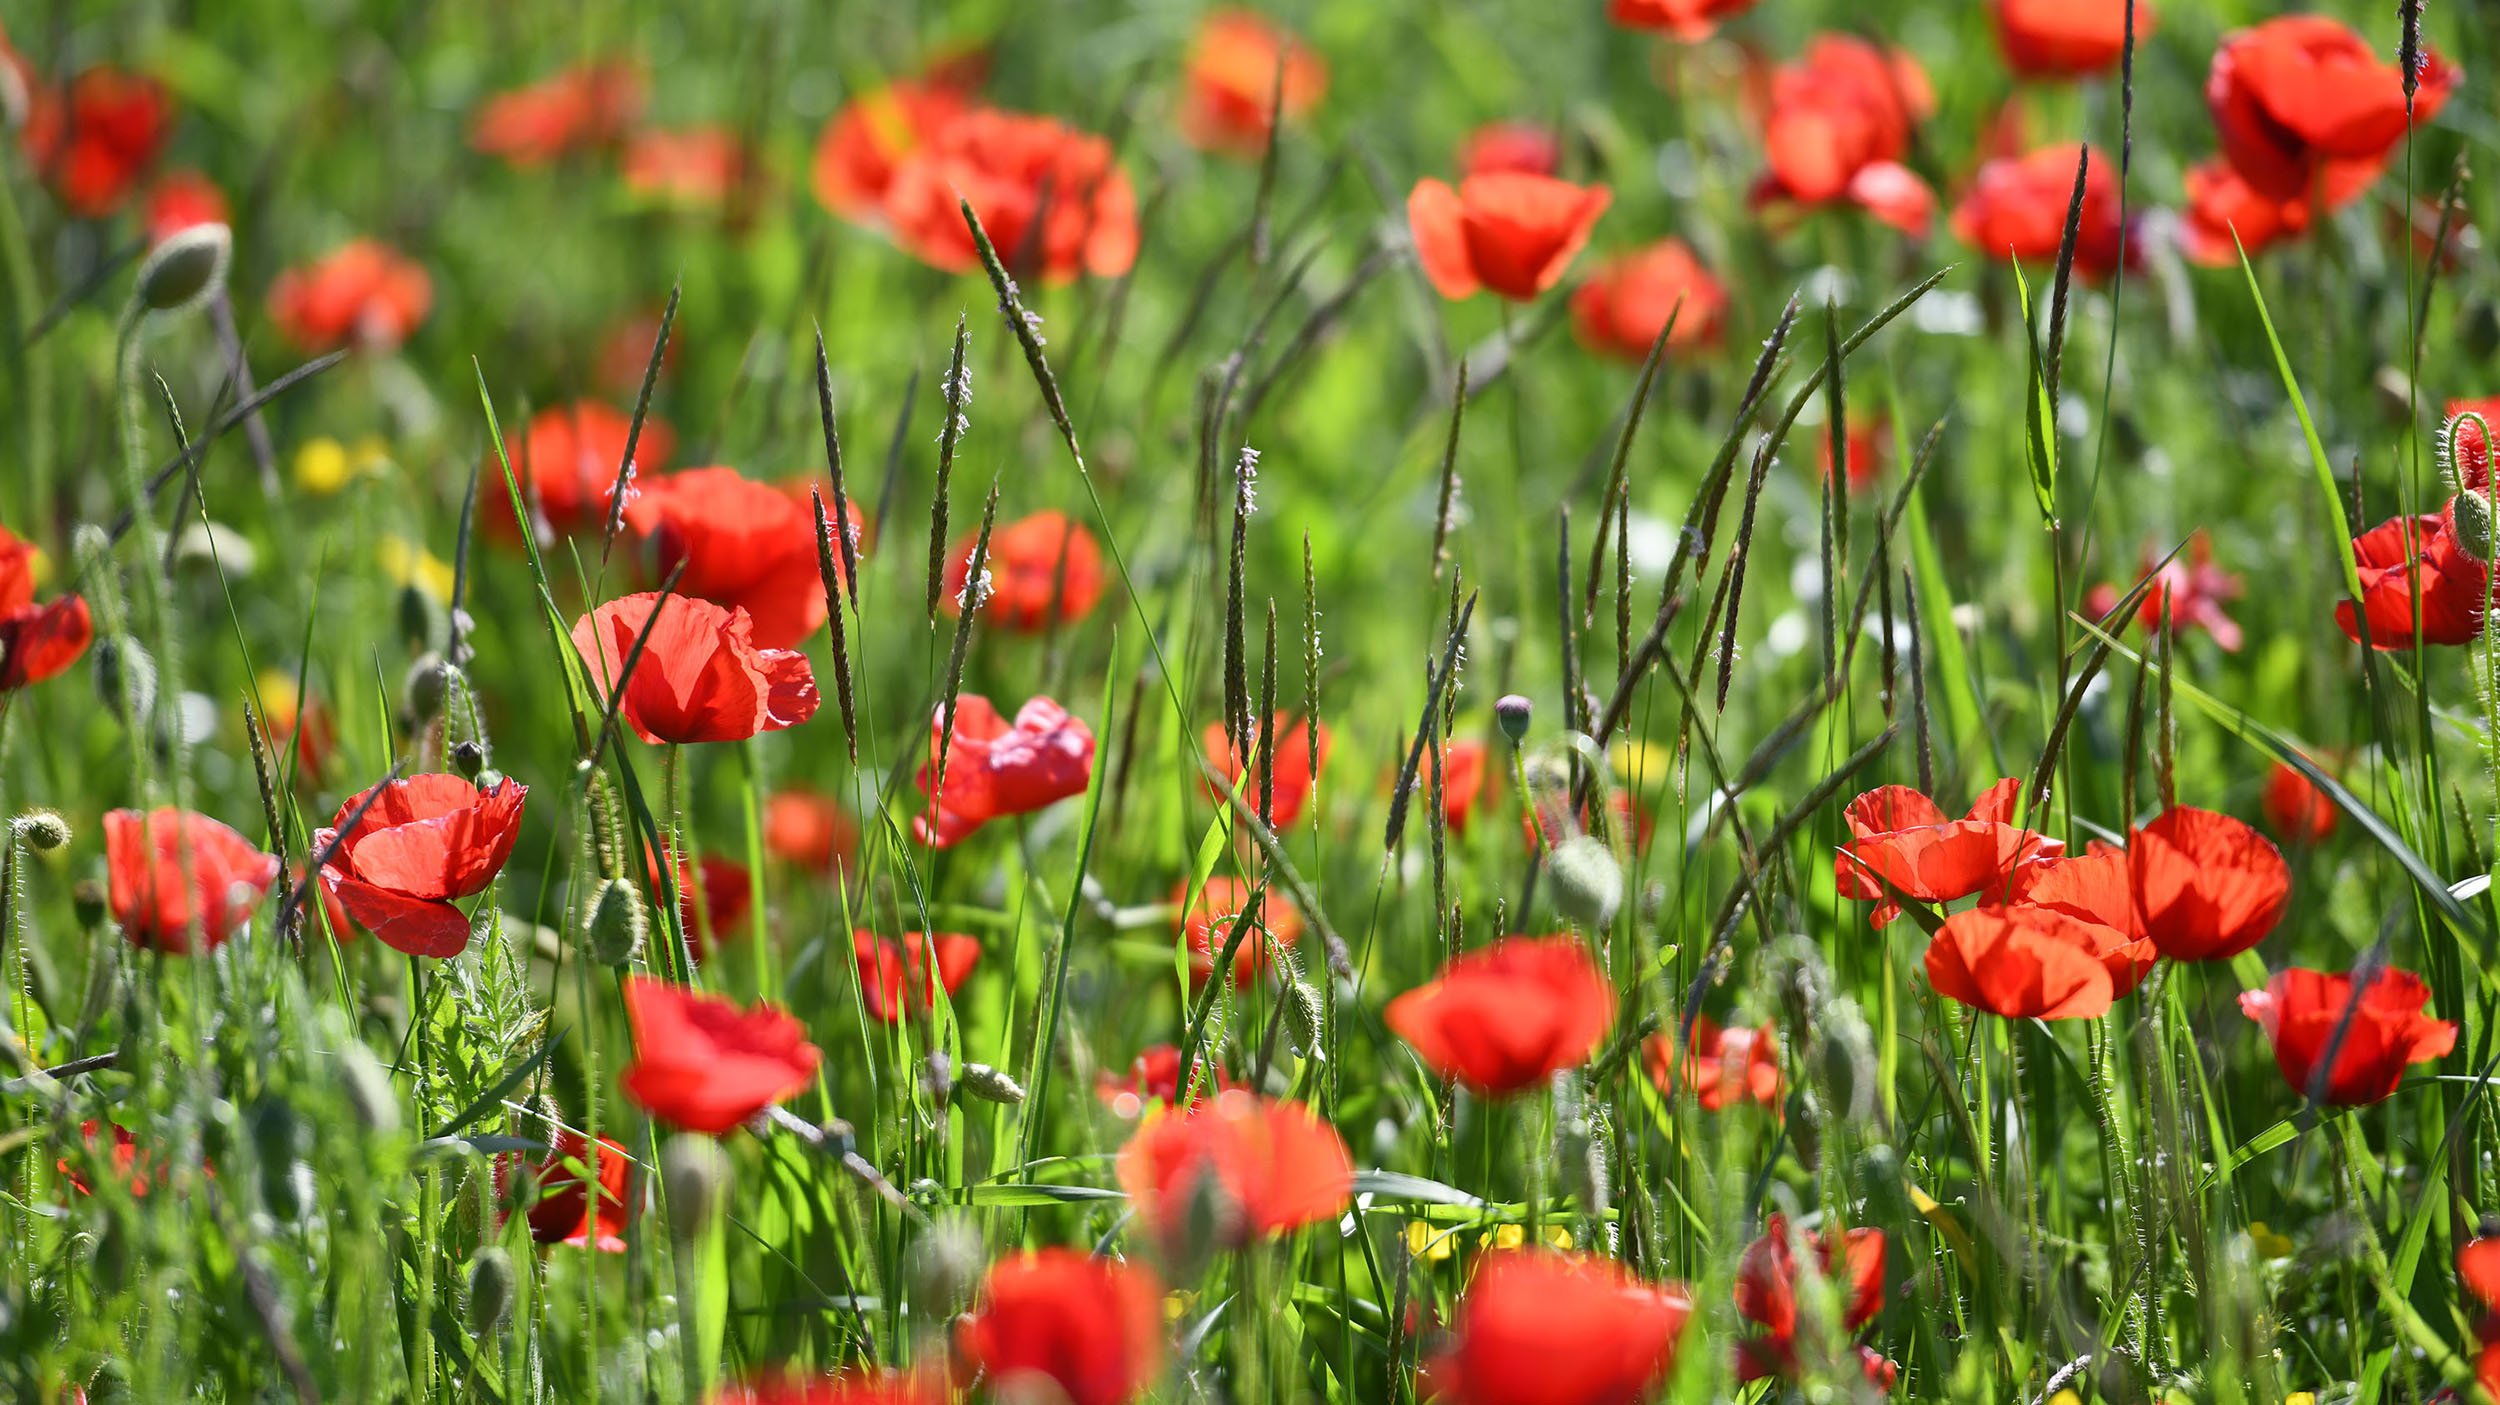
x: 1588, y: 885
x: 613, y: 922
x: 695, y: 1174
x: 2470, y: 520
x: 1513, y: 712
x: 990, y: 1085
x: 42, y: 830
x: 423, y: 626
x: 86, y: 902
x: 490, y: 1289
x: 427, y: 686
x: 186, y: 269
x: 1306, y: 1019
x: 468, y: 758
x: 125, y: 677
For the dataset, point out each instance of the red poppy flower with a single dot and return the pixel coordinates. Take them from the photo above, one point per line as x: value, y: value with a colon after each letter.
x: 1044, y: 570
x: 1154, y: 1076
x: 994, y: 770
x: 1276, y: 1164
x: 130, y: 1165
x: 95, y: 142
x: 1058, y: 1324
x: 1870, y: 436
x: 2196, y: 589
x: 1293, y: 763
x: 2294, y: 97
x: 2067, y: 38
x: 2025, y: 963
x: 2096, y: 889
x: 2451, y: 584
x: 172, y: 870
x: 2478, y: 1270
x: 564, y: 1212
x: 362, y: 292
x: 1724, y: 1065
x: 1053, y: 200
x: 1507, y: 1017
x: 424, y: 841
x: 1625, y: 304
x: 1465, y: 767
x: 1766, y: 1278
x: 180, y: 200
x: 893, y: 977
x: 566, y: 463
x: 850, y: 1388
x: 2470, y: 456
x: 1233, y: 94
x: 1209, y: 924
x: 1522, y: 148
x: 1508, y: 231
x: 36, y: 641
x: 705, y: 168
x: 2296, y: 810
x: 2301, y: 1012
x: 714, y: 895
x: 1537, y: 1327
x: 705, y: 1065
x: 2207, y: 887
x: 860, y: 147
x: 1688, y: 20
x: 1904, y: 839
x: 744, y: 544
x: 579, y: 109
x: 701, y: 677
x: 1838, y: 123
x: 807, y: 829
x: 2225, y: 214
x: 2016, y: 210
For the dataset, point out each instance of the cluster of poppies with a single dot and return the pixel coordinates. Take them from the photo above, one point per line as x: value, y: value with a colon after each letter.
x: 597, y: 108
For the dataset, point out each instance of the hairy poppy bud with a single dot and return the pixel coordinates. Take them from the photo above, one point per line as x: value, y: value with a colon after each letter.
x: 86, y: 902
x: 1513, y: 712
x: 695, y: 1174
x: 42, y: 830
x: 186, y: 269
x: 368, y: 1087
x: 2471, y: 520
x: 125, y: 677
x: 614, y: 922
x: 427, y: 686
x: 1306, y: 1019
x: 1588, y: 886
x: 469, y: 759
x: 490, y: 1289
x: 991, y: 1085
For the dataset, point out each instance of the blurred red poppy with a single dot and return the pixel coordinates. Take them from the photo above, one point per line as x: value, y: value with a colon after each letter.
x: 810, y: 830
x: 362, y: 293
x: 1044, y: 570
x: 2296, y: 810
x: 2225, y: 214
x: 1869, y: 439
x: 1723, y: 1066
x: 2195, y: 587
x: 1506, y: 1017
x: 2016, y: 211
x: 703, y: 1064
x: 993, y: 770
x: 1054, y: 202
x: 1276, y: 1165
x: 1153, y: 1077
x: 566, y: 464
x: 701, y: 677
x: 704, y: 168
x: 96, y: 141
x: 1536, y: 1327
x: 2207, y: 887
x: 1904, y: 839
x: 1508, y: 231
x: 304, y: 725
x: 1522, y: 148
x: 2478, y: 1269
x: 1766, y: 1282
x: 36, y: 641
x: 1465, y: 769
x: 2067, y: 38
x: 130, y: 1165
x: 172, y: 870
x: 1836, y: 127
x: 714, y: 895
x: 744, y: 544
x: 564, y: 1212
x: 2295, y: 98
x: 2390, y: 556
x: 854, y: 1387
x: 895, y: 976
x: 423, y: 842
x: 872, y: 134
x: 1627, y: 302
x: 1689, y: 20
x: 1056, y: 1324
x: 2025, y: 963
x: 1296, y: 760
x: 2374, y: 1036
x: 579, y: 109
x: 180, y: 200
x: 1233, y: 78
x: 1209, y: 924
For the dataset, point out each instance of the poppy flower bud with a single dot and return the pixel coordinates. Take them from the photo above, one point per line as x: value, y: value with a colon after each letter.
x: 185, y: 269
x: 991, y: 1085
x: 614, y: 922
x: 1305, y: 1018
x: 423, y: 624
x: 2472, y: 524
x: 125, y: 677
x: 1588, y: 886
x: 469, y: 759
x: 944, y: 1264
x: 42, y: 831
x: 427, y: 686
x: 490, y: 1289
x: 695, y: 1174
x: 1513, y: 712
x: 368, y: 1088
x: 86, y: 902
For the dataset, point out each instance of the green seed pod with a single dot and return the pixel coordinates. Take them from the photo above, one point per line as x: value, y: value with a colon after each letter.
x: 1514, y: 712
x: 491, y: 1281
x: 990, y: 1085
x: 1588, y: 885
x: 695, y: 1174
x: 614, y: 922
x: 185, y: 269
x: 1306, y: 1019
x: 42, y: 831
x: 2471, y: 518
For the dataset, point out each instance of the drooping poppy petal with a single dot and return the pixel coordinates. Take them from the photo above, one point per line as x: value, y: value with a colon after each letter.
x: 172, y: 870
x: 36, y: 641
x: 2374, y: 1037
x: 2391, y: 556
x: 703, y: 1064
x: 701, y: 677
x: 993, y: 770
x: 1507, y: 1017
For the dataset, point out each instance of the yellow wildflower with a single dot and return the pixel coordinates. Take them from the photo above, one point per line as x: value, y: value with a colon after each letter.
x: 409, y: 564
